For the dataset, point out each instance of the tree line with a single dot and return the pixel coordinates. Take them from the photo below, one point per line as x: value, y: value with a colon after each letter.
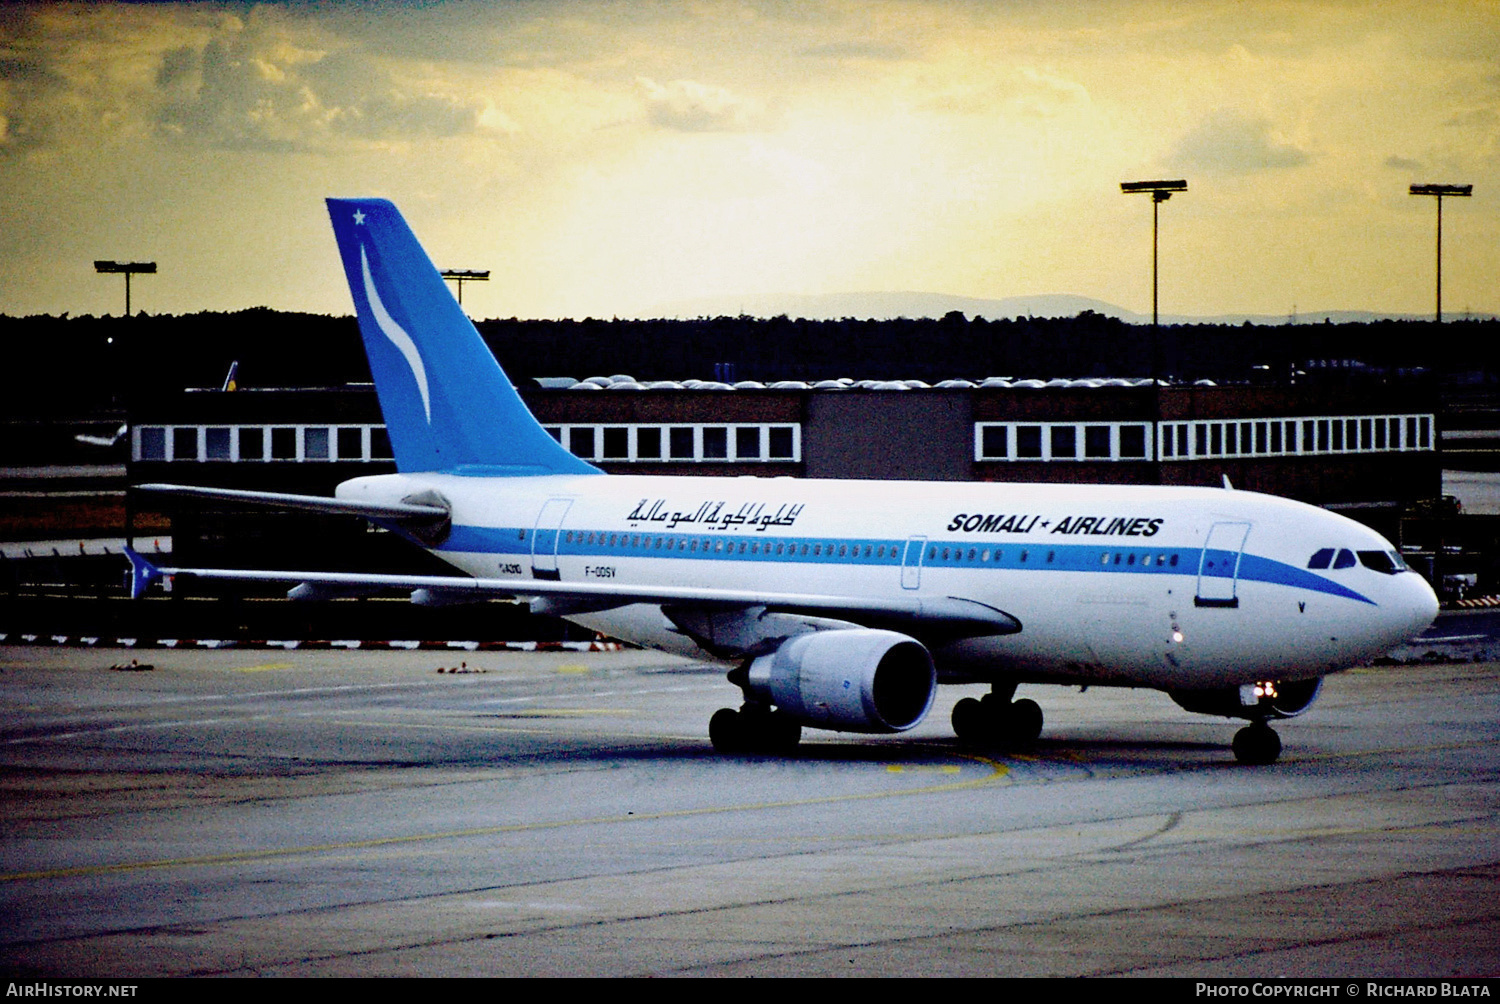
x: 76, y: 366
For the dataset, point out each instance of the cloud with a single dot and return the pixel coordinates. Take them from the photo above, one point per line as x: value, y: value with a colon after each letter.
x: 1473, y: 118
x: 856, y: 50
x: 33, y: 100
x: 1231, y: 142
x: 1402, y: 164
x: 1022, y: 90
x: 688, y: 106
x: 253, y: 87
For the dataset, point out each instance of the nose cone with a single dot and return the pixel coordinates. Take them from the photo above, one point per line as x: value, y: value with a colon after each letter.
x: 1407, y: 610
x: 1420, y: 602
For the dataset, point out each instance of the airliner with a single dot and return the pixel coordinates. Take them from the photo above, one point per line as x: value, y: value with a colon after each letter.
x: 840, y: 605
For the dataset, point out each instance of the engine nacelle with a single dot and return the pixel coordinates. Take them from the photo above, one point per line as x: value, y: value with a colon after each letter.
x: 1269, y: 699
x: 851, y: 681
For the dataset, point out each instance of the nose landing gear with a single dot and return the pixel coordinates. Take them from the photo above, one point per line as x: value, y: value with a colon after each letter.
x: 1257, y: 744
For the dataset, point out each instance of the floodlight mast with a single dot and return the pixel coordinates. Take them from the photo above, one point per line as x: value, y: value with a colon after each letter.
x: 126, y: 268
x: 1438, y: 191
x: 463, y: 275
x: 1160, y: 192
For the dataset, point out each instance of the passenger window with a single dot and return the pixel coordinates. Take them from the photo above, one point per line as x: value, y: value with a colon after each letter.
x: 1321, y: 558
x: 1345, y: 559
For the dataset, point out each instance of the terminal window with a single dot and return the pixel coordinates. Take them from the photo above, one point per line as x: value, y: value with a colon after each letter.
x: 260, y: 443
x: 738, y: 443
x: 1062, y: 441
x: 1294, y: 436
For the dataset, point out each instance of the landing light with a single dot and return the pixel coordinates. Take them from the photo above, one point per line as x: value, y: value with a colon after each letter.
x: 1266, y: 689
x: 1177, y: 636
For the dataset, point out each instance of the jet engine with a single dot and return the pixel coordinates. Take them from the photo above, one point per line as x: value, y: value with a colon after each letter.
x: 1256, y: 701
x: 857, y: 680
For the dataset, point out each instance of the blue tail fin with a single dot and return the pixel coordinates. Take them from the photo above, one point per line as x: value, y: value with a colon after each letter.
x: 447, y: 404
x: 142, y: 573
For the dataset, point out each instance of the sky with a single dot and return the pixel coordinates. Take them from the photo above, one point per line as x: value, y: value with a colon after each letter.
x: 605, y: 159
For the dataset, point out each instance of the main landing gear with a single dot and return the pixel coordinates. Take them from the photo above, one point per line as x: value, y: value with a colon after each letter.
x: 755, y: 728
x: 996, y: 721
x: 1257, y: 744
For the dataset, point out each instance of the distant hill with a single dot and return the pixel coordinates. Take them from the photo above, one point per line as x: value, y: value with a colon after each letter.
x: 885, y: 306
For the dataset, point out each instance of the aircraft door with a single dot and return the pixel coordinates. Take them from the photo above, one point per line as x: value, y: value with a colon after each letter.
x: 1219, y: 565
x: 911, y: 562
x: 546, y: 537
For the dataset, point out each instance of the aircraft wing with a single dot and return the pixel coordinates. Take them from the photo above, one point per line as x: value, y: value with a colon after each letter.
x: 951, y: 616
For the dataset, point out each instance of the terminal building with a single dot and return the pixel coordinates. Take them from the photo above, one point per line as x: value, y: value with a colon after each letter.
x: 1366, y: 454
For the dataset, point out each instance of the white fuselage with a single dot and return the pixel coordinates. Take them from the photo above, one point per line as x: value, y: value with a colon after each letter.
x: 1173, y: 588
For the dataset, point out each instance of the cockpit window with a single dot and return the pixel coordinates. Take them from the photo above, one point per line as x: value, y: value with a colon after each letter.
x: 1389, y: 562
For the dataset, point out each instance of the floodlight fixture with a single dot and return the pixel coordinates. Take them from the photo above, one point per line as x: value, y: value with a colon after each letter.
x: 1439, y: 192
x: 1160, y: 191
x: 127, y: 269
x: 463, y: 275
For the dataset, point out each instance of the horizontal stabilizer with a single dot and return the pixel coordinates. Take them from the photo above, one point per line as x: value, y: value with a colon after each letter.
x: 394, y: 511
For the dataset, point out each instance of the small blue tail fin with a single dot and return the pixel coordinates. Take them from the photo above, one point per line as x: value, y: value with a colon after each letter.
x: 447, y: 404
x: 142, y: 573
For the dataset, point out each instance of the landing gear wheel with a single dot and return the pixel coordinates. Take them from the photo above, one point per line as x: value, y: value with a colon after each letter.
x: 773, y: 732
x: 992, y: 722
x: 754, y: 731
x: 726, y: 731
x: 1023, y: 721
x: 1257, y: 745
x: 972, y: 722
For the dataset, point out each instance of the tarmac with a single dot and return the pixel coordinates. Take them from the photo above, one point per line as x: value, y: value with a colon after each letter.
x: 340, y: 812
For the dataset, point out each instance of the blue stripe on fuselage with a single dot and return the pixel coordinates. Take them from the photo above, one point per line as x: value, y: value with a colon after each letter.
x: 873, y: 551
